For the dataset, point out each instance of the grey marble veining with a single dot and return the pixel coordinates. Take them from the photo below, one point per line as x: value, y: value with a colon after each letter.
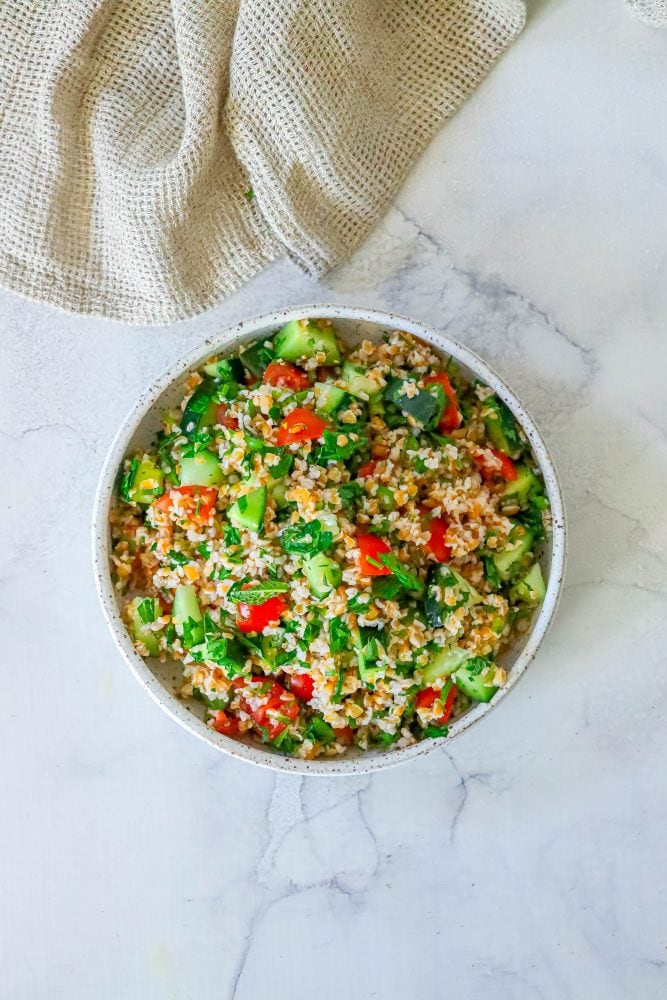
x: 525, y: 861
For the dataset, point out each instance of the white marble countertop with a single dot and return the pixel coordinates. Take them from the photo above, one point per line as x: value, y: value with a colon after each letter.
x: 526, y: 860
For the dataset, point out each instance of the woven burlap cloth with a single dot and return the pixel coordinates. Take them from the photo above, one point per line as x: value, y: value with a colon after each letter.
x: 651, y: 11
x: 155, y: 154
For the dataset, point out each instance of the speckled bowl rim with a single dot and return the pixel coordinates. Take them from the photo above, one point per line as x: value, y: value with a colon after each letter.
x: 226, y: 340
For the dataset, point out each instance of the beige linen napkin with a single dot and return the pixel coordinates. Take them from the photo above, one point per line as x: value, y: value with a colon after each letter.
x: 155, y: 154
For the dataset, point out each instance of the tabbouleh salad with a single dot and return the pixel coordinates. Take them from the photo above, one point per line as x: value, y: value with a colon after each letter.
x: 335, y: 543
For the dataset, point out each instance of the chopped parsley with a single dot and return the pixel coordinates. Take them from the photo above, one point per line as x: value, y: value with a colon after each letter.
x: 339, y: 636
x: 256, y: 593
x: 305, y: 538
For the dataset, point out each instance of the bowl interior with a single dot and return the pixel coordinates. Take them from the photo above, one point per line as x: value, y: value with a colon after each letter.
x: 164, y: 680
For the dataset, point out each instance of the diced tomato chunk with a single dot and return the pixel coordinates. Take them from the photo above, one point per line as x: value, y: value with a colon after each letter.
x: 225, y: 418
x: 345, y: 734
x: 373, y: 547
x: 427, y: 698
x: 299, y: 425
x: 256, y: 617
x: 449, y: 705
x: 367, y: 469
x: 491, y: 470
x: 437, y: 545
x: 198, y: 502
x: 451, y: 417
x: 278, y: 702
x: 225, y: 724
x: 281, y: 373
x: 302, y: 686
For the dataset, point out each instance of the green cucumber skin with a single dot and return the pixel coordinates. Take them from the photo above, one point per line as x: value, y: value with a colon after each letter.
x: 436, y: 613
x: 445, y: 662
x: 226, y: 369
x: 358, y: 383
x: 525, y: 481
x: 329, y: 398
x: 141, y: 631
x: 271, y: 647
x: 257, y: 358
x: 507, y: 561
x: 301, y: 339
x: 146, y: 470
x: 248, y: 511
x: 424, y: 408
x: 200, y: 408
x: 473, y: 685
x: 531, y: 589
x: 323, y: 574
x: 278, y: 491
x: 202, y: 469
x: 502, y: 428
x: 186, y: 608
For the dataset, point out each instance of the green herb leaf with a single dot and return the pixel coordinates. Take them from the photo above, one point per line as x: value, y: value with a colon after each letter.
x: 305, y: 538
x: 435, y: 731
x: 339, y: 636
x: 331, y: 451
x: 336, y: 696
x: 257, y: 593
x: 146, y: 610
x: 128, y: 479
x: 386, y: 587
x: 231, y: 535
x: 226, y: 653
x: 210, y: 627
x: 177, y: 558
x: 491, y: 573
x: 190, y: 633
x: 204, y: 550
x: 350, y: 494
x: 476, y: 665
x: 319, y: 731
x: 283, y: 466
x: 403, y: 575
x: 386, y: 739
x: 311, y: 632
x: 287, y: 656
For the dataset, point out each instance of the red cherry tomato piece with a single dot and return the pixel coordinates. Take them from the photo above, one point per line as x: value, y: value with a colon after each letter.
x: 492, y: 470
x: 281, y: 373
x: 344, y: 735
x: 197, y: 502
x: 373, y: 547
x: 302, y: 686
x: 224, y: 417
x: 300, y: 425
x: 367, y: 469
x: 449, y: 705
x: 256, y: 617
x: 427, y: 698
x: 451, y: 417
x: 225, y: 724
x: 279, y: 702
x: 437, y: 545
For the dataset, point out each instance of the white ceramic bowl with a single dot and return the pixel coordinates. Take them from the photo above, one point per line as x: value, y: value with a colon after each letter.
x: 162, y: 680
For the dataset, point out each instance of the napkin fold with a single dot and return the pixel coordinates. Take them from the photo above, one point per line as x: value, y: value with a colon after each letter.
x: 155, y: 154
